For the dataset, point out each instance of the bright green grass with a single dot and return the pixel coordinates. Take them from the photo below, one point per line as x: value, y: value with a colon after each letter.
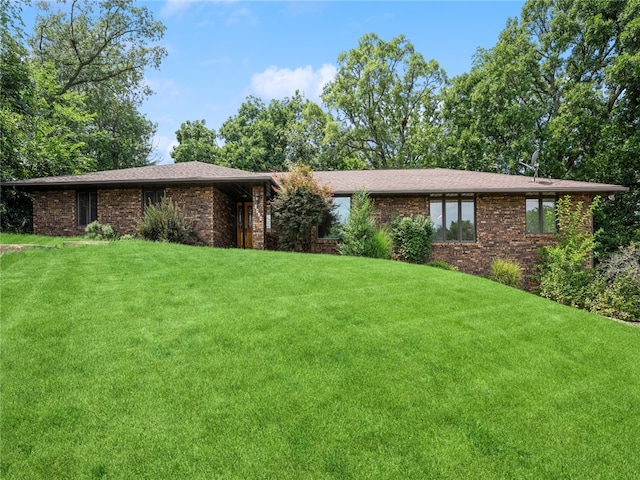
x: 17, y: 238
x: 139, y: 360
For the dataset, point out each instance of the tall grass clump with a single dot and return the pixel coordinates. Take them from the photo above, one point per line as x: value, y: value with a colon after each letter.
x: 505, y: 271
x: 164, y: 222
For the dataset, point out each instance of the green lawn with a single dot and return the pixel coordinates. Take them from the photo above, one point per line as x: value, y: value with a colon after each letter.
x: 16, y: 238
x: 139, y: 360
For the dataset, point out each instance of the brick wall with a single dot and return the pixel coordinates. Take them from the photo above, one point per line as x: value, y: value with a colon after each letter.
x: 54, y: 213
x: 259, y: 221
x: 121, y: 208
x: 500, y: 232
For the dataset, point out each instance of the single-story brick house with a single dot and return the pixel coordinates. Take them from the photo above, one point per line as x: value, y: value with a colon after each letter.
x: 478, y: 216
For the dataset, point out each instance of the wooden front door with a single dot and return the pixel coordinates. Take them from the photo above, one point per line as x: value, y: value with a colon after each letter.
x: 244, y: 224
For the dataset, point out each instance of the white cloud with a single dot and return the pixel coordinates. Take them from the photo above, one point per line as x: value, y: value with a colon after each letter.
x: 278, y: 83
x: 163, y: 146
x: 175, y: 7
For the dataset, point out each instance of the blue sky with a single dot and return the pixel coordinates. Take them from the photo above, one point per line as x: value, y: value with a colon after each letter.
x: 219, y: 52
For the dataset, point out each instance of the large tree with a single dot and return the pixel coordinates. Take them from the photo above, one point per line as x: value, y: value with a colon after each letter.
x: 278, y: 135
x: 196, y: 142
x: 101, y: 49
x: 563, y: 79
x: 384, y: 95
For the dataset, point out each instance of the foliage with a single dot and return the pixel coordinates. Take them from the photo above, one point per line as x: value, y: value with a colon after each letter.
x: 278, y: 136
x: 358, y: 233
x: 101, y: 50
x: 564, y: 276
x: 441, y: 264
x: 164, y: 222
x: 505, y: 271
x: 195, y: 143
x: 384, y: 97
x: 97, y: 231
x: 300, y: 204
x: 563, y: 78
x: 382, y: 244
x: 615, y: 291
x: 412, y: 237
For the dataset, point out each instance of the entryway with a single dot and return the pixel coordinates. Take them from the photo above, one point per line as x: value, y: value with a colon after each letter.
x: 244, y: 224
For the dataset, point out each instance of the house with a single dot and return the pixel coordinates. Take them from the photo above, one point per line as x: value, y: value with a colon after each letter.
x: 478, y: 216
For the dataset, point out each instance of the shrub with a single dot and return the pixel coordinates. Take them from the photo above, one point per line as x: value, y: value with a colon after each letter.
x: 359, y: 235
x: 164, y: 222
x: 412, y: 238
x: 507, y: 272
x: 564, y: 276
x: 442, y: 265
x: 98, y: 231
x: 382, y: 244
x: 615, y: 291
x: 300, y: 204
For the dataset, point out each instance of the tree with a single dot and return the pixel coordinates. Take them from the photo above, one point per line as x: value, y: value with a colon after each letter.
x: 300, y: 204
x: 564, y: 79
x: 103, y: 55
x: 276, y: 136
x: 384, y: 97
x: 195, y: 143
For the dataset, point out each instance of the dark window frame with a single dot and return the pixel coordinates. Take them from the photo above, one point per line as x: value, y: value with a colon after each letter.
x: 541, y: 198
x: 460, y: 198
x: 90, y: 213
x: 155, y: 194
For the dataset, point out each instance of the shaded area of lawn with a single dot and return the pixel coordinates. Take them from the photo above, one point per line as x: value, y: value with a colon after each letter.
x: 139, y: 360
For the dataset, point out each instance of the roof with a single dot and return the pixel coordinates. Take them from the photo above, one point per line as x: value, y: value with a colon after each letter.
x: 391, y: 182
x: 442, y: 180
x: 187, y: 172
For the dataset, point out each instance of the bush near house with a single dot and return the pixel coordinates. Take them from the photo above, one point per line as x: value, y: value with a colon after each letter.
x: 615, y: 291
x: 412, y: 238
x: 300, y: 204
x: 564, y: 273
x: 98, y: 231
x: 505, y: 271
x: 359, y: 235
x: 164, y: 222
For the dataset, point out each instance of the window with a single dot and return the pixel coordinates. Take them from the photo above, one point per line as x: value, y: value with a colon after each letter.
x: 152, y: 196
x: 87, y: 203
x: 339, y: 217
x: 454, y: 218
x: 268, y: 218
x: 541, y: 215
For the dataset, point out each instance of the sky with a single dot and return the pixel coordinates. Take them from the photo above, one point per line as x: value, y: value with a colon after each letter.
x: 220, y: 52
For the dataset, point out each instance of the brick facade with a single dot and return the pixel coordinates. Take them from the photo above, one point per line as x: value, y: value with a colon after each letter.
x: 54, y: 213
x: 121, y: 208
x: 500, y: 232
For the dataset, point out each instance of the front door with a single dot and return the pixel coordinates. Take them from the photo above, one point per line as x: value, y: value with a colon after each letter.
x: 244, y: 222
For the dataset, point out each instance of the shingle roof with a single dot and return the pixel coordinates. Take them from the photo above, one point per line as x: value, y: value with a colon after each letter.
x: 441, y: 180
x: 393, y: 182
x: 188, y: 172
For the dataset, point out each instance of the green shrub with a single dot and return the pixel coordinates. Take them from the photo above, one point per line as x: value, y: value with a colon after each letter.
x: 164, y: 222
x: 358, y: 232
x: 412, y: 238
x: 442, y: 265
x: 507, y: 272
x: 382, y: 244
x: 98, y: 231
x: 615, y: 291
x: 564, y: 276
x: 300, y: 204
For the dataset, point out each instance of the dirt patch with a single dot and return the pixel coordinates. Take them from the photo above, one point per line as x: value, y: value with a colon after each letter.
x: 19, y: 247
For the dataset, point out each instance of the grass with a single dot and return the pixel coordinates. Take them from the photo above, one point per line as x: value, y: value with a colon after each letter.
x: 140, y: 360
x: 18, y: 238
